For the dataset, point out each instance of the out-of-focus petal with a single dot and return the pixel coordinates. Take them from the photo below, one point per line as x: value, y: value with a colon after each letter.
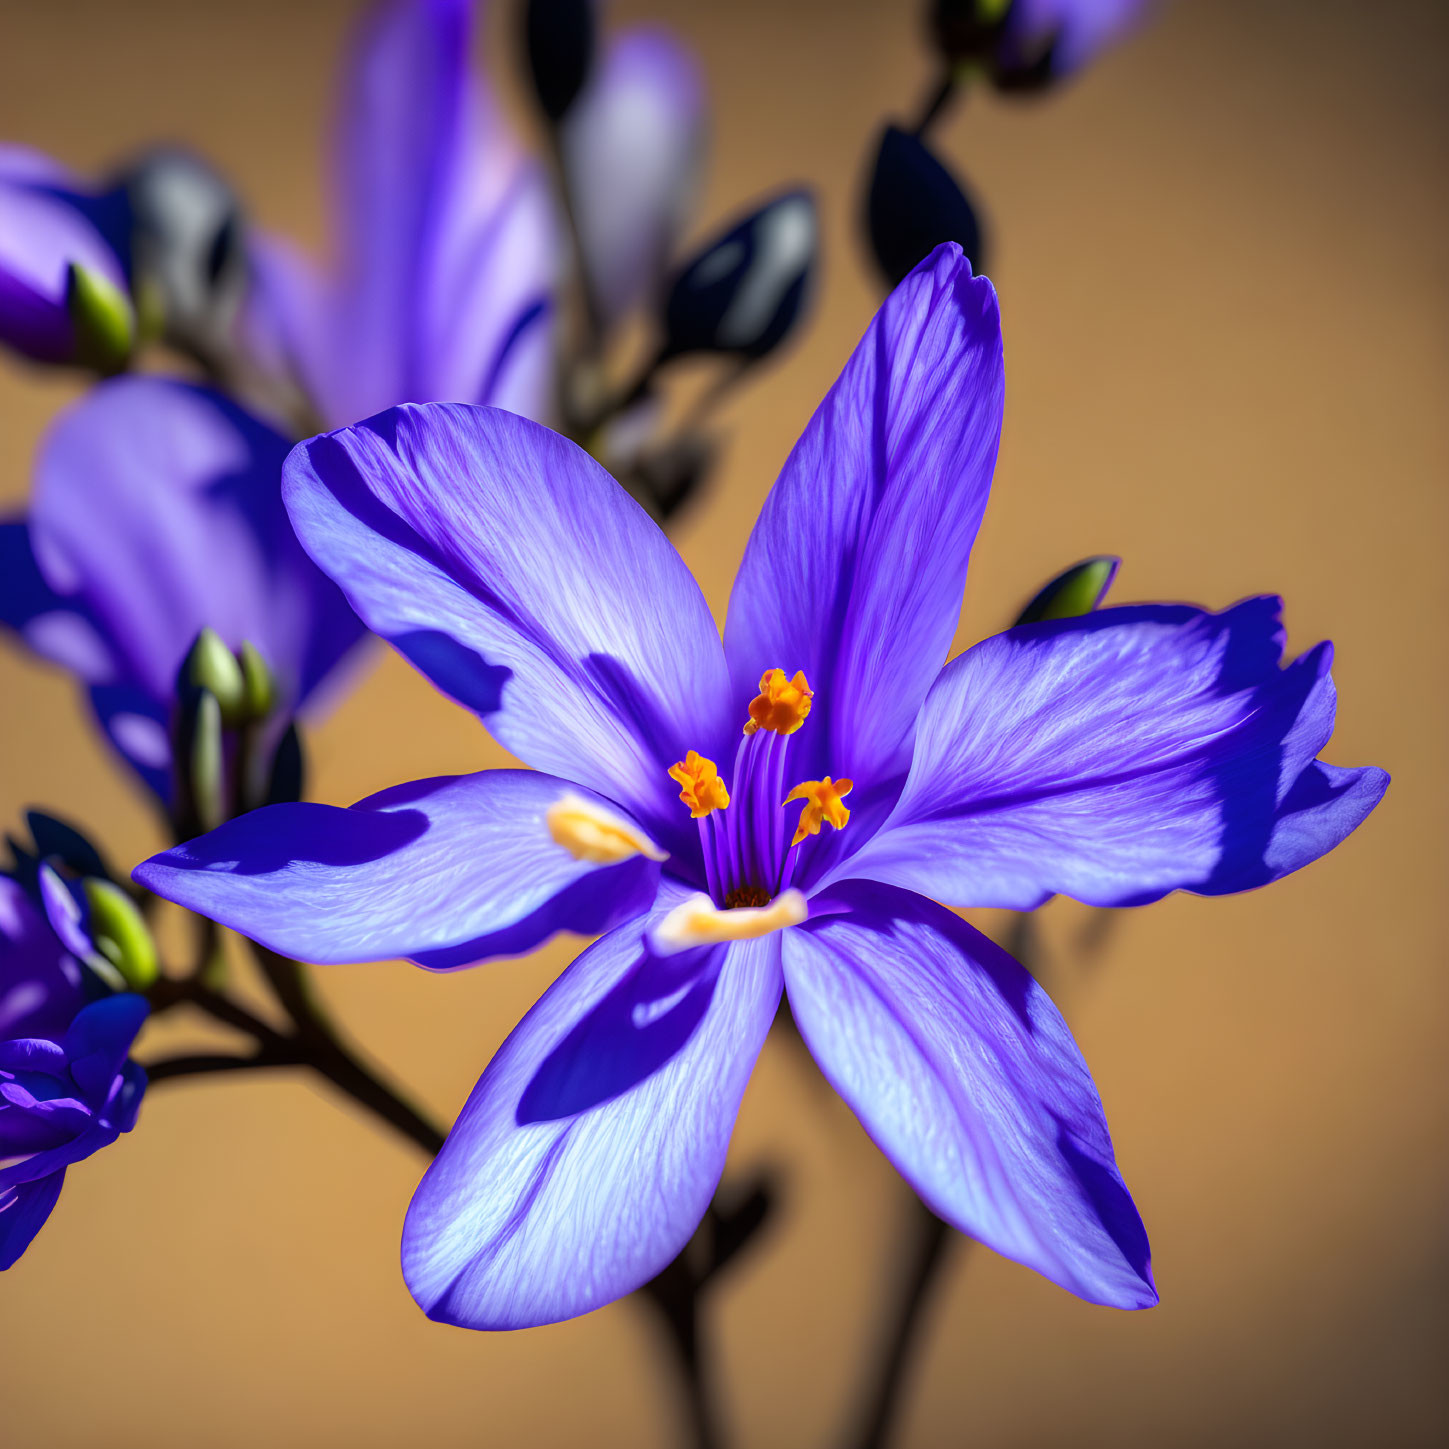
x: 632, y: 146
x: 1118, y: 756
x: 446, y: 230
x: 157, y: 511
x: 589, y: 1150
x: 963, y: 1073
x: 511, y: 569
x: 855, y: 570
x: 1071, y: 32
x: 447, y: 871
x: 42, y: 232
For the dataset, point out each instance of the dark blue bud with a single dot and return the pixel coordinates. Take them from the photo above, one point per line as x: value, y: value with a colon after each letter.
x: 1075, y: 591
x: 58, y: 841
x: 967, y: 30
x: 742, y: 293
x: 559, y: 38
x: 913, y: 205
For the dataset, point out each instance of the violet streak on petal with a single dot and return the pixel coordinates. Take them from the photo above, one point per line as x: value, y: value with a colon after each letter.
x: 448, y: 871
x: 1119, y: 756
x: 965, y: 1076
x: 589, y: 1150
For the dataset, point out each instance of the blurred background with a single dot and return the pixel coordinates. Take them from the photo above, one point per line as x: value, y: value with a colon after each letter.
x: 1221, y: 259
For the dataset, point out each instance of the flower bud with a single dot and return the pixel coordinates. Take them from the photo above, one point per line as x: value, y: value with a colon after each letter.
x: 913, y: 205
x: 966, y: 31
x: 103, y: 323
x: 119, y: 933
x: 203, y: 759
x: 670, y: 476
x: 559, y: 38
x: 741, y: 294
x: 211, y: 666
x: 288, y: 775
x: 1077, y: 590
x: 259, y: 685
x: 56, y: 840
x: 187, y: 247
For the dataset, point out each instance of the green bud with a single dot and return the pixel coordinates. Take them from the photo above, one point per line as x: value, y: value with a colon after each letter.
x: 105, y: 325
x: 1077, y: 590
x: 211, y: 666
x: 259, y: 687
x: 120, y: 933
x: 206, y: 760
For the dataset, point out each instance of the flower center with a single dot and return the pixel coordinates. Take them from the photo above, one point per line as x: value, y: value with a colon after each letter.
x: 749, y: 851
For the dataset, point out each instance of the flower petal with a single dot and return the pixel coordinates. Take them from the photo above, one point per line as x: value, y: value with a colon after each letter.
x: 43, y: 229
x: 23, y: 1211
x: 447, y: 230
x: 157, y: 512
x: 1119, y: 756
x: 589, y: 1150
x: 447, y: 871
x: 511, y: 569
x: 631, y: 148
x: 40, y: 983
x: 855, y: 569
x: 965, y: 1076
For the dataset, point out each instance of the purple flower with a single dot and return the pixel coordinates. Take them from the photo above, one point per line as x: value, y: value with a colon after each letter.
x: 445, y: 239
x: 157, y: 512
x: 47, y: 227
x: 1058, y: 37
x: 631, y: 148
x: 66, y: 1087
x: 1114, y: 757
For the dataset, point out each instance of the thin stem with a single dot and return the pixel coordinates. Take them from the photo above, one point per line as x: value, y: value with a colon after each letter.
x: 925, y: 1256
x: 196, y: 1064
x: 936, y: 103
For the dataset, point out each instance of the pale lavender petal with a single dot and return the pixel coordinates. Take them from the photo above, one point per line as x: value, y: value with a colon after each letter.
x: 157, y: 512
x: 510, y: 568
x: 590, y: 1149
x: 1119, y: 756
x: 855, y: 570
x: 632, y: 146
x: 42, y: 232
x: 963, y: 1073
x: 447, y: 871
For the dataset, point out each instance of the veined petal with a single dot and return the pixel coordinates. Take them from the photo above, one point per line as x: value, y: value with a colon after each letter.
x: 1119, y: 756
x: 515, y: 573
x: 448, y: 872
x: 591, y: 1147
x: 855, y: 570
x: 965, y: 1076
x: 631, y: 147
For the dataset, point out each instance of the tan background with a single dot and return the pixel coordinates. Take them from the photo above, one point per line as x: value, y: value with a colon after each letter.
x: 1222, y: 265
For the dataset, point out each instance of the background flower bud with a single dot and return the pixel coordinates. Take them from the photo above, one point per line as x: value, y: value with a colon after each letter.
x: 187, y: 246
x: 103, y: 321
x: 119, y: 932
x: 1074, y: 591
x: 211, y: 666
x: 559, y: 39
x: 913, y: 205
x: 259, y: 686
x: 743, y: 292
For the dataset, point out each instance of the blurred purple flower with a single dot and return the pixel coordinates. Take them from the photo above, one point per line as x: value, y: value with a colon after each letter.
x: 631, y: 147
x: 47, y: 225
x: 1059, y: 37
x: 445, y: 240
x: 1113, y: 757
x: 66, y: 1087
x: 157, y: 512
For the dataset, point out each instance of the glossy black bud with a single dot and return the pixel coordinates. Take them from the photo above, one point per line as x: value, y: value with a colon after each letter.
x: 187, y: 245
x: 58, y: 841
x: 913, y: 205
x: 742, y: 293
x: 559, y: 38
